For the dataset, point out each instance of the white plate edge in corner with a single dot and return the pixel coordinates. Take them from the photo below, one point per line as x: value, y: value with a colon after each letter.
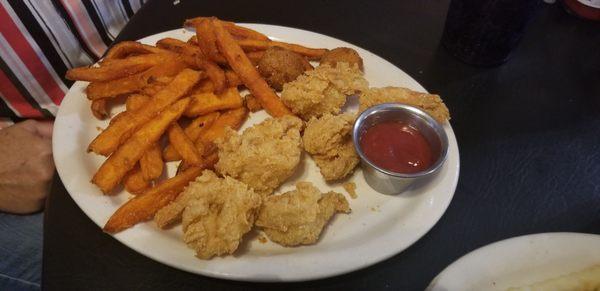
x: 520, y: 261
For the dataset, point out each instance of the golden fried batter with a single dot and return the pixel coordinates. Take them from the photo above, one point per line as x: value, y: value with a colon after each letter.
x: 217, y: 212
x: 292, y: 208
x: 429, y: 103
x: 350, y: 187
x: 264, y: 156
x: 329, y: 142
x: 298, y: 217
x: 221, y: 213
x: 342, y: 54
x: 323, y: 90
x: 171, y: 214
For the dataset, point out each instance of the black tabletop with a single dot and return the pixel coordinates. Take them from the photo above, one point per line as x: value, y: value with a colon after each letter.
x: 528, y: 134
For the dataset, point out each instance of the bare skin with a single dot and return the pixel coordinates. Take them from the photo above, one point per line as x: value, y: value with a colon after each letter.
x: 26, y: 166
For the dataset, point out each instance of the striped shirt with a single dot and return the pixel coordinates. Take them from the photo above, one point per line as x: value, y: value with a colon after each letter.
x: 41, y: 39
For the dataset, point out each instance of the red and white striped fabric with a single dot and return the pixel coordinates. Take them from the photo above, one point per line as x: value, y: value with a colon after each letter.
x: 41, y: 40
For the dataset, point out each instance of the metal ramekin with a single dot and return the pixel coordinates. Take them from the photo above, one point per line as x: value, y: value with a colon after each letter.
x: 388, y: 182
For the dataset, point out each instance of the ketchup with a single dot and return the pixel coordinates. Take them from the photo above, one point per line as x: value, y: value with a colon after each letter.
x: 397, y: 147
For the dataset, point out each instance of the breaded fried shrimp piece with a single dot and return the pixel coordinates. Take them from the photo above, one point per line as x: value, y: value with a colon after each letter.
x: 323, y: 90
x: 217, y: 214
x: 430, y: 103
x: 329, y: 142
x: 299, y: 216
x: 264, y: 155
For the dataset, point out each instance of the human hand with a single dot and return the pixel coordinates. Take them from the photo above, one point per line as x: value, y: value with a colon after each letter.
x: 26, y: 166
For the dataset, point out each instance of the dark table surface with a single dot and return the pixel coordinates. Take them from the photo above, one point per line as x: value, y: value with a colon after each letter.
x: 528, y: 134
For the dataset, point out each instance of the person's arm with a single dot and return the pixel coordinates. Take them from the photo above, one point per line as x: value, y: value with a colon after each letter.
x: 26, y: 166
x: 38, y: 52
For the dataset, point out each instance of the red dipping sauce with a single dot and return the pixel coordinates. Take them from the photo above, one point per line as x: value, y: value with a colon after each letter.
x: 397, y: 147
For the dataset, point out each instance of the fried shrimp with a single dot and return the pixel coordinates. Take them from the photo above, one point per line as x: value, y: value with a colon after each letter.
x: 216, y: 213
x: 429, y: 103
x: 328, y: 141
x: 264, y: 155
x: 299, y: 216
x: 323, y: 90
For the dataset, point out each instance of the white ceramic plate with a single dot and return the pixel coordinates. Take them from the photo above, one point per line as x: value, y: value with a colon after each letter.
x: 379, y: 226
x: 520, y: 261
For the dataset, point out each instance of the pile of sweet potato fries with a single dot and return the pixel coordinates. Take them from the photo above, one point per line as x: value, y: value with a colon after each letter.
x: 186, y: 91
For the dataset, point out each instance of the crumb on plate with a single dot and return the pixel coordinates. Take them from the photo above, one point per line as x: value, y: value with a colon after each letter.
x: 350, y: 187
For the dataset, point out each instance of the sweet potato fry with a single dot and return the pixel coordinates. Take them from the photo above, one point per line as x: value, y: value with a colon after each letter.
x: 240, y: 63
x: 214, y: 73
x: 170, y: 154
x: 126, y: 48
x: 193, y: 130
x: 203, y: 86
x: 152, y: 89
x: 151, y: 162
x: 161, y: 79
x: 114, y: 88
x: 234, y: 29
x: 200, y: 125
x: 255, y: 56
x: 99, y: 109
x: 233, y: 119
x: 188, y: 52
x: 183, y: 145
x: 205, y: 143
x: 117, y: 117
x: 134, y: 181
x: 105, y: 73
x: 133, y: 83
x: 135, y: 101
x: 233, y: 80
x: 116, y: 69
x: 208, y: 102
x: 117, y: 132
x: 178, y: 46
x: 314, y: 54
x: 144, y: 206
x: 241, y: 32
x: 193, y: 40
x: 124, y: 159
x: 306, y: 64
x: 166, y: 71
x: 252, y: 104
x: 205, y: 35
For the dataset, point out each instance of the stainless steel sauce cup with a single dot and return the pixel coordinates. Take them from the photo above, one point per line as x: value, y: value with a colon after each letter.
x: 389, y: 182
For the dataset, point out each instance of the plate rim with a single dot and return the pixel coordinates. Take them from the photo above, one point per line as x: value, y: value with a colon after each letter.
x: 507, y: 241
x: 228, y: 276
